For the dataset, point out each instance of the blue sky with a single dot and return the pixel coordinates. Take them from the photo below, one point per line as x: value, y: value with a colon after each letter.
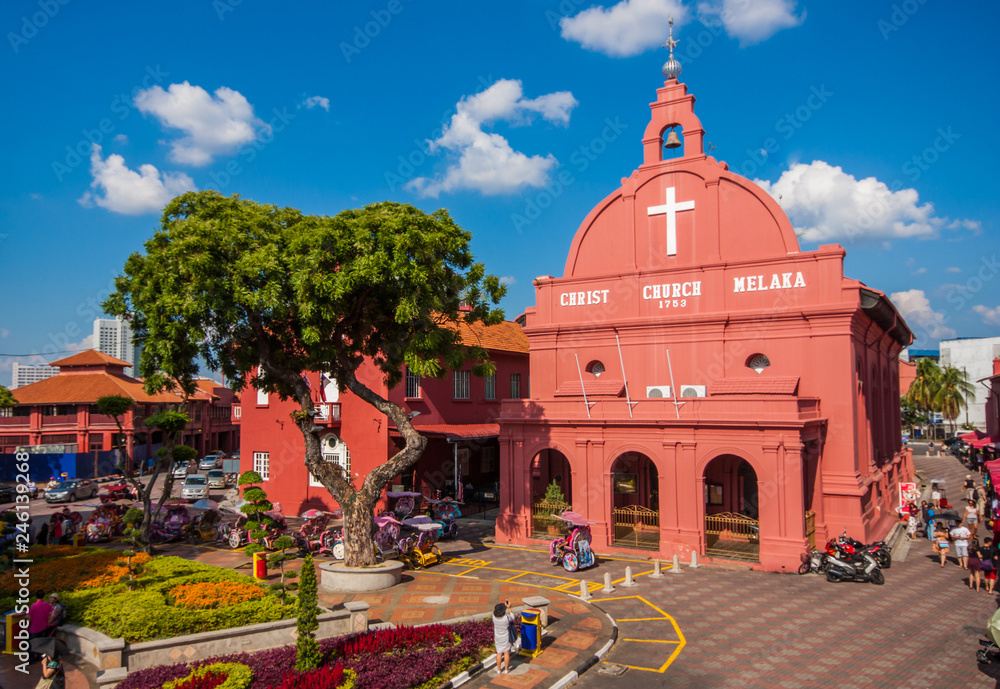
x: 882, y: 117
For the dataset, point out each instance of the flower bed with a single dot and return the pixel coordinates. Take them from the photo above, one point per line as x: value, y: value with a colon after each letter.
x: 55, y: 571
x: 145, y: 611
x: 383, y: 659
x: 205, y: 595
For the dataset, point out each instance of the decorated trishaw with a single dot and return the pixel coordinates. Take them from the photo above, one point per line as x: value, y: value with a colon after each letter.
x: 573, y: 550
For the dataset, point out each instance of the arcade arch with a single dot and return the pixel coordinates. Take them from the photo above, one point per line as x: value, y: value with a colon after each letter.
x: 550, y: 470
x: 732, y: 526
x: 635, y: 502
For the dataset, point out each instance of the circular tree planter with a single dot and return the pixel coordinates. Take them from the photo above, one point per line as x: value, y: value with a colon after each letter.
x: 338, y: 577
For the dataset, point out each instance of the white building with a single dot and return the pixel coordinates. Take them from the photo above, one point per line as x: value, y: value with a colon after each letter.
x: 113, y: 336
x: 975, y: 356
x: 26, y: 374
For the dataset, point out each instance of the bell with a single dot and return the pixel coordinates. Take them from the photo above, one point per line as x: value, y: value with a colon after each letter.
x: 673, y: 141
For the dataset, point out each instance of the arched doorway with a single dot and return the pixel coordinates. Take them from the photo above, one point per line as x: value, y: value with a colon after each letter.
x: 732, y: 528
x: 635, y: 502
x: 551, y: 492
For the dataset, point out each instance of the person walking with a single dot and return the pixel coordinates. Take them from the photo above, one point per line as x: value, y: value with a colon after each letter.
x: 502, y: 619
x: 911, y: 526
x: 971, y: 517
x: 52, y: 673
x: 969, y: 487
x: 975, y: 564
x: 989, y: 563
x: 961, y: 535
x: 941, y: 544
x: 42, y: 538
x: 935, y: 496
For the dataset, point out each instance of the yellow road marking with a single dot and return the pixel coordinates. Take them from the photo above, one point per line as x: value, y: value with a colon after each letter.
x: 532, y: 550
x: 681, y: 643
x: 467, y: 571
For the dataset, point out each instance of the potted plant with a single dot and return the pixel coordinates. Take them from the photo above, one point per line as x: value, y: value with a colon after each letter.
x: 554, y: 494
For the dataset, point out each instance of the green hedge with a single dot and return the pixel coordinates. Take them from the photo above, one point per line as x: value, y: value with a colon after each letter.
x: 144, y: 612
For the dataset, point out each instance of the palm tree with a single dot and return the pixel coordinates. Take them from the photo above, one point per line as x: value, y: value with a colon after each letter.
x: 953, y: 394
x: 923, y: 390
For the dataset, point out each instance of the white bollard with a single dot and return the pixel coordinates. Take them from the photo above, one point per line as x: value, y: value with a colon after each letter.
x: 657, y: 574
x: 608, y: 588
x: 628, y: 578
x: 584, y: 590
x: 676, y: 569
x: 694, y: 560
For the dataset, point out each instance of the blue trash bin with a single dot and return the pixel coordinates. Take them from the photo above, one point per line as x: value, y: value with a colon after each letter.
x: 531, y: 632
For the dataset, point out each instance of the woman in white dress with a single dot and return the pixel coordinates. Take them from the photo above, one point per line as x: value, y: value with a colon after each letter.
x: 502, y: 618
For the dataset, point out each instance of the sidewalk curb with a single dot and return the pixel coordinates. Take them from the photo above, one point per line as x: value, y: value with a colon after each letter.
x: 474, y: 671
x: 592, y: 660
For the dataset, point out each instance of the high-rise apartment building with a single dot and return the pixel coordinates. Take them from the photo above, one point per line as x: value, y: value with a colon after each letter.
x: 113, y: 336
x: 26, y: 374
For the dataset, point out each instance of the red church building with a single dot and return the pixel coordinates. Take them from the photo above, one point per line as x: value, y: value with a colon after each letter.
x: 700, y: 383
x: 457, y: 413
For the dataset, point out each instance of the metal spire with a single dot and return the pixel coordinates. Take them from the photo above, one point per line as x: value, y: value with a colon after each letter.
x: 671, y: 68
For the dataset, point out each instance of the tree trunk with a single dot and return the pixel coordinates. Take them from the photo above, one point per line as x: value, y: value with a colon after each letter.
x: 359, y: 532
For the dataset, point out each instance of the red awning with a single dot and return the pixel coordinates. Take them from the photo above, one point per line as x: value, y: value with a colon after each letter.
x: 982, y: 442
x: 994, y: 469
x: 457, y: 431
x: 971, y: 435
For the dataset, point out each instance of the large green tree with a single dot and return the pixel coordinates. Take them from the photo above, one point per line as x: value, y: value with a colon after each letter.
x: 953, y: 394
x: 268, y: 294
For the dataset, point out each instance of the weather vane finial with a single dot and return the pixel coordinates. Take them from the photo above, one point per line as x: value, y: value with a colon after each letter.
x: 671, y: 68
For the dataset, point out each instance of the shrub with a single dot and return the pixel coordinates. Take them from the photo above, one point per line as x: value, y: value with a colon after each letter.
x: 214, y: 676
x: 205, y: 595
x: 307, y: 655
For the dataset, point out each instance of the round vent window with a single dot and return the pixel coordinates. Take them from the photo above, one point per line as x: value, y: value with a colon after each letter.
x: 758, y: 362
x: 596, y: 368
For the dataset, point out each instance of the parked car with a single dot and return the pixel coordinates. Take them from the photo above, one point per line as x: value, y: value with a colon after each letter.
x: 195, y: 487
x: 69, y: 491
x: 180, y: 470
x: 208, y: 462
x: 216, y: 478
x: 8, y: 493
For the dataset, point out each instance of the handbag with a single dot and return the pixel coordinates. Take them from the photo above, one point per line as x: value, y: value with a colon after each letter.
x: 512, y: 635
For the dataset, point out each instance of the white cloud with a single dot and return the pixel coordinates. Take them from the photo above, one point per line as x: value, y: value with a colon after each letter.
x: 919, y: 271
x: 916, y: 310
x: 4, y: 333
x: 82, y: 345
x: 120, y: 139
x: 129, y: 192
x: 628, y: 28
x: 825, y: 203
x: 486, y: 162
x: 953, y: 269
x: 508, y: 280
x: 989, y: 316
x: 313, y: 101
x: 212, y: 125
x: 751, y: 21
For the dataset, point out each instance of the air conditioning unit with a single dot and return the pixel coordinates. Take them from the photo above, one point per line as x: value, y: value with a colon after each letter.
x: 657, y: 391
x: 693, y: 391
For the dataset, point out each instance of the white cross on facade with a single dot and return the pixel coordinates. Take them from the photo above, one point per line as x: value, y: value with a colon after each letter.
x: 670, y: 208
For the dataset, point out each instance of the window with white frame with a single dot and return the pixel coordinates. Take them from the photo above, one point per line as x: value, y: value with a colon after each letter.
x: 261, y: 398
x: 515, y: 386
x: 334, y: 450
x: 412, y: 384
x: 460, y: 389
x: 490, y: 386
x: 262, y: 464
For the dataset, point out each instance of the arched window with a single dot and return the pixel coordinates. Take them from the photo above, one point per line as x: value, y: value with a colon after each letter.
x: 596, y: 368
x: 758, y: 362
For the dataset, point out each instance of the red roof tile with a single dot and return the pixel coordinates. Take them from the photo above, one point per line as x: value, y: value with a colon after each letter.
x: 595, y: 388
x: 84, y: 388
x: 461, y: 430
x: 755, y: 386
x: 503, y: 337
x: 91, y: 357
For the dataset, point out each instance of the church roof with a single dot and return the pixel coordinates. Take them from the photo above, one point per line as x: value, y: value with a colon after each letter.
x: 502, y: 337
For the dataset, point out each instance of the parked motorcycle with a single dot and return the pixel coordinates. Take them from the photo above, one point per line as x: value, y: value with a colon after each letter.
x: 844, y: 566
x: 878, y: 549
